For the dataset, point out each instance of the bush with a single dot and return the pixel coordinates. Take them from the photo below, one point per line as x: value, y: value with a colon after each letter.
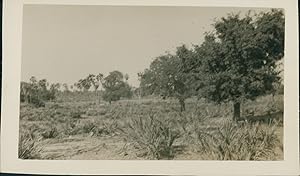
x: 110, y: 127
x: 233, y: 142
x: 28, y: 148
x: 36, y: 92
x: 87, y: 127
x: 155, y: 137
x: 70, y: 127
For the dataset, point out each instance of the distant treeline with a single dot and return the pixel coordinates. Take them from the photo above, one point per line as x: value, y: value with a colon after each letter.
x: 36, y: 92
x: 115, y: 87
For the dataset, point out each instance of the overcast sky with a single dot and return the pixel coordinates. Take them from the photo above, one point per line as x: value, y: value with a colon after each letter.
x: 65, y: 43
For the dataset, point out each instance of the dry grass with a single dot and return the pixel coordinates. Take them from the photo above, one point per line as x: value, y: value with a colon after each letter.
x: 155, y: 129
x: 238, y: 142
x: 152, y: 134
x: 28, y: 148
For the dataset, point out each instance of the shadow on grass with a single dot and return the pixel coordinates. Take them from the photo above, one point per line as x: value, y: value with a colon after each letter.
x: 266, y: 118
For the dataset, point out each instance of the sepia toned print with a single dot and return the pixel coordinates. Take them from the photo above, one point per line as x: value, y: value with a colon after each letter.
x: 151, y: 83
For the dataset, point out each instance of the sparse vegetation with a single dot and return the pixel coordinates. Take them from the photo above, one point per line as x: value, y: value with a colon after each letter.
x: 156, y: 129
x: 220, y: 100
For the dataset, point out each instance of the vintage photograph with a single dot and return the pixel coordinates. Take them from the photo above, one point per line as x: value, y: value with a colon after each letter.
x: 151, y: 83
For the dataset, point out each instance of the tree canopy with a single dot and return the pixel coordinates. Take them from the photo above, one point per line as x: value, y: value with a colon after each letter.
x: 116, y: 86
x: 166, y: 76
x: 238, y: 60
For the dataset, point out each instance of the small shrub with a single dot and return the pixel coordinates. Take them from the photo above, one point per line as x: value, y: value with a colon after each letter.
x: 98, y: 128
x: 233, y: 142
x: 153, y: 136
x: 70, y: 127
x: 87, y: 127
x: 110, y: 127
x: 28, y: 148
x: 74, y: 127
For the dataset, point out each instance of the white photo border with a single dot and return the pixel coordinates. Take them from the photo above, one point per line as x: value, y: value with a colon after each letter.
x: 12, y: 47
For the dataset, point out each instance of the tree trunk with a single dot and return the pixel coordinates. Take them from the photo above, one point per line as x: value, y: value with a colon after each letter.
x: 236, y: 111
x: 182, y: 104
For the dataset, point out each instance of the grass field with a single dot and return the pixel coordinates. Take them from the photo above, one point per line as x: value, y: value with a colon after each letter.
x: 150, y: 129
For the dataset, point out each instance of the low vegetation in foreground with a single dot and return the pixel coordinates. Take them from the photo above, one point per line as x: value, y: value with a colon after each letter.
x: 151, y: 129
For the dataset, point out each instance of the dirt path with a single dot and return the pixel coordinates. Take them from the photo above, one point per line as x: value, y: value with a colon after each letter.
x: 83, y: 147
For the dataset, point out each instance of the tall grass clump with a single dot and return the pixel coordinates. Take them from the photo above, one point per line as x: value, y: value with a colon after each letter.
x: 234, y: 142
x: 28, y: 148
x: 152, y: 135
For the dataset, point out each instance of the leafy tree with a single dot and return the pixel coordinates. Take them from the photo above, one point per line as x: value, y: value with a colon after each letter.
x: 92, y: 80
x: 84, y: 84
x: 115, y: 86
x: 147, y: 82
x: 166, y: 77
x: 238, y: 61
x: 26, y: 92
x: 36, y: 92
x: 54, y: 88
x: 76, y: 86
x: 95, y: 80
x: 99, y: 79
x: 42, y: 91
x: 98, y: 82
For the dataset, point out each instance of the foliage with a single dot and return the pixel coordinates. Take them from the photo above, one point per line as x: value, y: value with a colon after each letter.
x: 114, y: 121
x: 116, y: 86
x: 28, y: 148
x: 238, y: 61
x: 85, y: 84
x: 166, y: 76
x: 95, y: 80
x: 36, y: 92
x: 232, y: 142
x: 152, y: 135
